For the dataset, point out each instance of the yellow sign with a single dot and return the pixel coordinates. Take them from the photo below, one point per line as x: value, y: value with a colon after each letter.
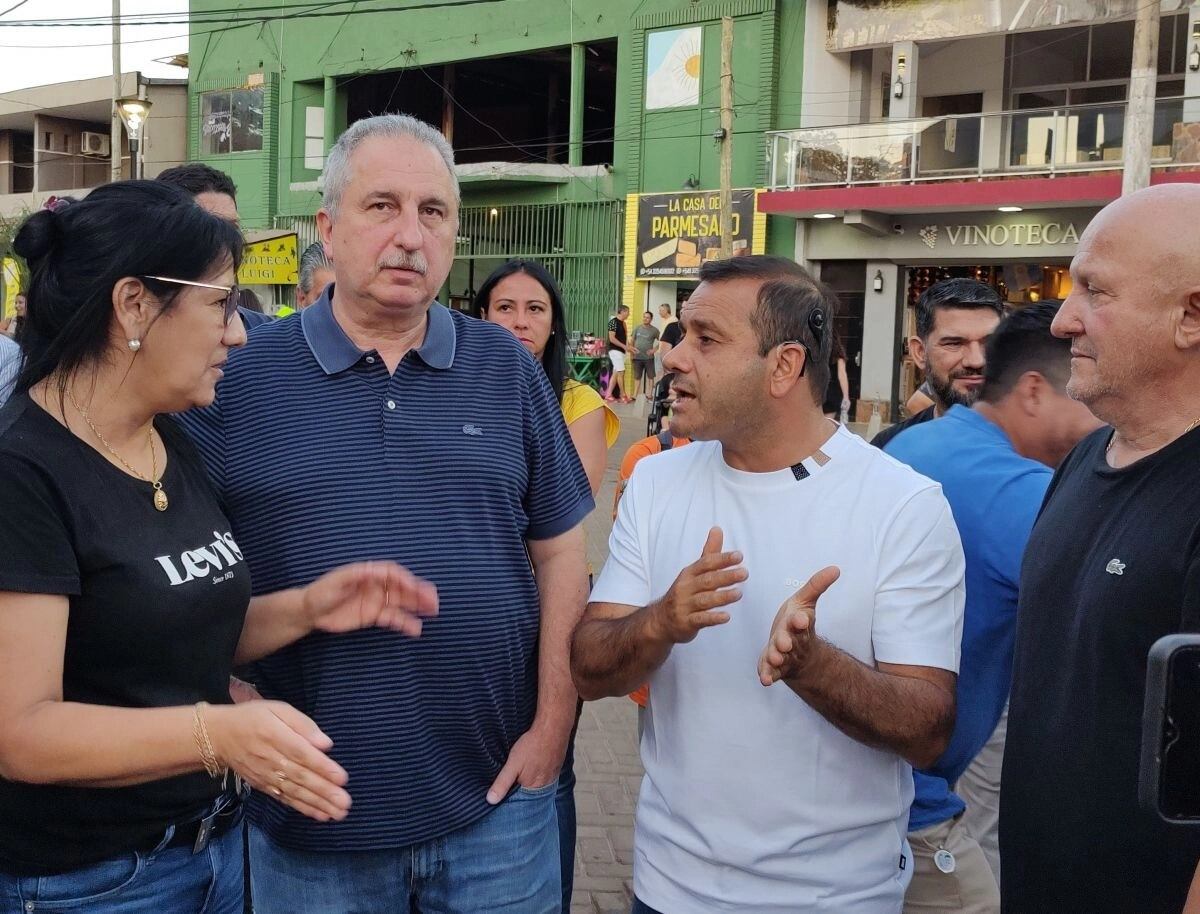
x: 269, y: 263
x: 10, y: 282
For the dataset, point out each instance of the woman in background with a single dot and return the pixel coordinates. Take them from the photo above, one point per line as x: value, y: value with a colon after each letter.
x: 522, y: 296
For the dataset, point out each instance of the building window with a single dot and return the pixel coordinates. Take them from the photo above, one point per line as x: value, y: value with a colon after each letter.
x: 231, y: 120
x: 314, y: 138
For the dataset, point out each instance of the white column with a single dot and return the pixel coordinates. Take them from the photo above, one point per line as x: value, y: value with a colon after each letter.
x: 879, y: 332
x: 905, y: 107
x: 1191, y: 78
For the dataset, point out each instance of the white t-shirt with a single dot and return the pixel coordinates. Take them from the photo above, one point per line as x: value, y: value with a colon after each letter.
x: 752, y: 801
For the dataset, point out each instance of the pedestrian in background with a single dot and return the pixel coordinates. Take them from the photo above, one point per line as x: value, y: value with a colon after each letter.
x: 522, y: 296
x: 645, y: 347
x: 955, y: 317
x: 993, y: 462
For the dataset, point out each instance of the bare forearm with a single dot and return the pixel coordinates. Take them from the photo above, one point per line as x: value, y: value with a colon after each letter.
x: 911, y: 717
x: 616, y: 656
x: 562, y: 582
x: 1192, y: 905
x: 69, y: 743
x: 273, y: 621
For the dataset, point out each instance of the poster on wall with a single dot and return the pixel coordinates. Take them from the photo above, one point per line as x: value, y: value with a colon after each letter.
x: 866, y: 23
x: 673, y: 68
x: 678, y: 232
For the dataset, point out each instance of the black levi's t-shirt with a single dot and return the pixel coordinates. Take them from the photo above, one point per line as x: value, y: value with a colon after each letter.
x: 157, y: 603
x: 1113, y: 564
x: 617, y: 326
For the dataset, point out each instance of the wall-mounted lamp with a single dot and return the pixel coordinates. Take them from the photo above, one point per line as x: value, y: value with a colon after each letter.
x: 691, y: 183
x: 877, y: 285
x: 898, y: 86
x: 493, y: 212
x: 1194, y: 58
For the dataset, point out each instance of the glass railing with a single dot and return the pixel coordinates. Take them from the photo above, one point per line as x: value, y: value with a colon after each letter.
x: 1043, y: 141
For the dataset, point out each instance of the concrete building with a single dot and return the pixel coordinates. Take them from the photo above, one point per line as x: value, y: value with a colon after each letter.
x: 57, y: 139
x: 561, y: 116
x: 973, y: 138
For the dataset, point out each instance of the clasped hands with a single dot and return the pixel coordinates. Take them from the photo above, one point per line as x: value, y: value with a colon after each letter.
x: 695, y: 602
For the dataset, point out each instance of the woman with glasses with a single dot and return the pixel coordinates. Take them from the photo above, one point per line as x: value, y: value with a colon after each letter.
x: 124, y: 598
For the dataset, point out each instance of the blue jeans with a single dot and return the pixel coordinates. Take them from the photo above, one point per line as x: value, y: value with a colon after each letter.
x: 564, y: 804
x: 507, y: 863
x: 164, y: 880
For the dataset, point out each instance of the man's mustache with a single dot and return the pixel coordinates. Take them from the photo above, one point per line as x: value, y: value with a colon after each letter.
x: 414, y: 262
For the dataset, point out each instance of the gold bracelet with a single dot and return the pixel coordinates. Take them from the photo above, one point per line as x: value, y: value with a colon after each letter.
x: 207, y: 754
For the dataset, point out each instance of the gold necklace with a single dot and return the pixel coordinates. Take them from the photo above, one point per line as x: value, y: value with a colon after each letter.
x: 160, y: 497
x: 1191, y: 425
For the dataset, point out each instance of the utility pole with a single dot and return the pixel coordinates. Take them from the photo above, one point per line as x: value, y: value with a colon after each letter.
x: 1139, y: 112
x: 726, y: 136
x: 115, y: 138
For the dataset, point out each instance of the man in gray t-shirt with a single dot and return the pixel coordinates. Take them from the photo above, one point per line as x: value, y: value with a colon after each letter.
x: 645, y: 344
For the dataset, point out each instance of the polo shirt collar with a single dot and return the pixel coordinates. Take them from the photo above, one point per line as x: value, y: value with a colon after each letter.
x: 335, y: 352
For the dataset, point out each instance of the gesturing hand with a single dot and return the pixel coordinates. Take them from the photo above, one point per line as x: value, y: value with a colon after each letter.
x: 367, y: 594
x: 794, y: 631
x: 694, y: 599
x: 281, y: 752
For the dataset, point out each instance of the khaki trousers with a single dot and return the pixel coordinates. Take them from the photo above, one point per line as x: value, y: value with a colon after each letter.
x: 969, y: 889
x: 979, y: 788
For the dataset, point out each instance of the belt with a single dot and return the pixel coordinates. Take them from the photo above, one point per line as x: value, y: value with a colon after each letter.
x: 226, y: 813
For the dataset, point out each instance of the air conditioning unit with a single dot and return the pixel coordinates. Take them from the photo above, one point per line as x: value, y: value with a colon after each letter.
x: 94, y: 144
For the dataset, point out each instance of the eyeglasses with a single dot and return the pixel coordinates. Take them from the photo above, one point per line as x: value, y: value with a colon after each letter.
x: 232, y: 293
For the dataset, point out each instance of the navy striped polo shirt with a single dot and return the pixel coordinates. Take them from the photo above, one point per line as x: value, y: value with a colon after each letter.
x: 447, y: 466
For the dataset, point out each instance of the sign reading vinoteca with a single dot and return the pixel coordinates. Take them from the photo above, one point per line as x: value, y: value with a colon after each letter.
x: 1035, y: 233
x: 679, y: 232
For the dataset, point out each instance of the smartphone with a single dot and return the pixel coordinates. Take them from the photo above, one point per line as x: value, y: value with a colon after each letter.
x: 1168, y: 783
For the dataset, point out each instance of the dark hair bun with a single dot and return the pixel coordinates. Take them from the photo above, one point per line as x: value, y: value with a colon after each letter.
x: 37, y: 236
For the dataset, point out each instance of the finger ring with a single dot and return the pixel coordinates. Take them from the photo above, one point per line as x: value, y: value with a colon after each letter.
x: 275, y: 790
x: 281, y: 776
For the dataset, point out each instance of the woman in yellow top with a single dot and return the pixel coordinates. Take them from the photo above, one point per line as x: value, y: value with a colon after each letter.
x: 522, y: 296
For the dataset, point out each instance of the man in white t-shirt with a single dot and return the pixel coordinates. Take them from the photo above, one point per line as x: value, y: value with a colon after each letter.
x: 777, y: 745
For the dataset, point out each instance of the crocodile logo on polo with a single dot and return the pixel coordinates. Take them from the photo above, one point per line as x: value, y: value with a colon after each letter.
x: 1116, y: 566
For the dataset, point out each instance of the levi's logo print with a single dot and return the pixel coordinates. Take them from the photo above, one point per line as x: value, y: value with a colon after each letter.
x: 213, y: 558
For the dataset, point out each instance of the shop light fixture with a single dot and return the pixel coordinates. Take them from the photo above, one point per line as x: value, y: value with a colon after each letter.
x: 494, y: 212
x: 824, y: 215
x: 1010, y: 209
x: 898, y: 87
x: 1194, y: 58
x: 877, y: 285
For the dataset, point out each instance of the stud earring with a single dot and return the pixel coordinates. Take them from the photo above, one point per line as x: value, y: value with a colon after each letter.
x: 135, y: 345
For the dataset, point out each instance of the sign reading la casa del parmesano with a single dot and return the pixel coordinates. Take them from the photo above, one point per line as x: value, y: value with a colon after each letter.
x: 678, y: 232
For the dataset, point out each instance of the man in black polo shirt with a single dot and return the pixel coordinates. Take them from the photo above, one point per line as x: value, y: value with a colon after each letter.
x: 955, y: 317
x: 1112, y: 565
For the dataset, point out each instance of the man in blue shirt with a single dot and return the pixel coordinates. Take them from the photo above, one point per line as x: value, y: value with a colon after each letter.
x: 418, y: 434
x: 994, y: 462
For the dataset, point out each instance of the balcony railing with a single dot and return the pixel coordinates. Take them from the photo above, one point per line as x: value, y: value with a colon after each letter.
x: 1044, y: 141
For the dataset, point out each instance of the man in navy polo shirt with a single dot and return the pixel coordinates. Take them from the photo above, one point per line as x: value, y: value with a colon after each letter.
x: 414, y: 433
x: 994, y: 463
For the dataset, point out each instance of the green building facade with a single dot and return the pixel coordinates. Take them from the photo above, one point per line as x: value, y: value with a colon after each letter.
x: 560, y: 113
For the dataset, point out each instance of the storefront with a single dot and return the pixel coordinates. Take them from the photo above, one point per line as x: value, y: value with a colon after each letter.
x: 880, y: 271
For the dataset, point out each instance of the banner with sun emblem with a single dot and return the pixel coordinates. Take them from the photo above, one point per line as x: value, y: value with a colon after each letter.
x: 673, y: 68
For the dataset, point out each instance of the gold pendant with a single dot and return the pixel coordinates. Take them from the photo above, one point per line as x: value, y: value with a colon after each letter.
x: 160, y: 500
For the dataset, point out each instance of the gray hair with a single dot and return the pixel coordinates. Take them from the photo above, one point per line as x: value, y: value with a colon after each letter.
x: 336, y: 175
x: 314, y: 258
